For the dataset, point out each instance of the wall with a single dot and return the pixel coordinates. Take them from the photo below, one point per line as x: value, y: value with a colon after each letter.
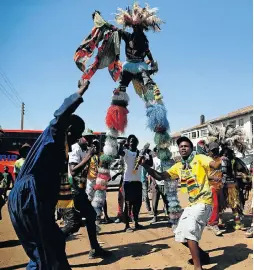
x: 201, y: 133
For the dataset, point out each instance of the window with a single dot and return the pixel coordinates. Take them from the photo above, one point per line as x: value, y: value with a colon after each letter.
x: 204, y: 133
x: 197, y: 134
x: 232, y: 123
x: 194, y: 135
x: 251, y: 122
x: 241, y: 122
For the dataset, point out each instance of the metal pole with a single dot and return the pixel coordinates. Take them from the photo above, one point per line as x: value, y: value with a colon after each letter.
x: 22, y: 115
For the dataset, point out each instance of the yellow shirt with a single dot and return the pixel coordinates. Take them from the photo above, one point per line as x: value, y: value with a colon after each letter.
x: 93, y: 167
x: 18, y: 164
x: 195, y: 180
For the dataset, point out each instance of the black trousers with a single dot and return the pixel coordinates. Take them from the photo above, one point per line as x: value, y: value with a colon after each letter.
x: 83, y: 209
x: 127, y: 77
x: 133, y: 200
x: 145, y: 197
x: 157, y: 192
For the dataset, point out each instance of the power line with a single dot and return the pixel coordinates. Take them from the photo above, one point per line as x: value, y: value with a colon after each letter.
x: 7, y: 94
x: 12, y: 88
x: 13, y: 95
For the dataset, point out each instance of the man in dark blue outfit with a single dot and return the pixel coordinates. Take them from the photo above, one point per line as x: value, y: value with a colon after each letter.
x: 34, y: 196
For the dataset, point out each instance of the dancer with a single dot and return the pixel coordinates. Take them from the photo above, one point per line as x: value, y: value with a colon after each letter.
x: 235, y: 173
x: 31, y: 202
x: 192, y: 171
x: 215, y: 181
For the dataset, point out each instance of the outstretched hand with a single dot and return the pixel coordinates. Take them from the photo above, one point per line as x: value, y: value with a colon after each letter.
x: 96, y: 11
x: 83, y: 86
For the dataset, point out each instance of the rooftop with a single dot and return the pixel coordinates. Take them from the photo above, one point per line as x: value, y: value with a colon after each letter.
x: 230, y: 115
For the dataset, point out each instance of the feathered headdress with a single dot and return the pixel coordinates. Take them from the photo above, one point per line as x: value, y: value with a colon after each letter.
x: 228, y: 136
x: 145, y: 17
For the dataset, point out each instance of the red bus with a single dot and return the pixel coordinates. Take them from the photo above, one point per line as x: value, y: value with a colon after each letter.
x: 12, y: 140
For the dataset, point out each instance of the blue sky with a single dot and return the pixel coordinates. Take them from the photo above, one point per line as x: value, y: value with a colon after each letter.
x: 204, y: 53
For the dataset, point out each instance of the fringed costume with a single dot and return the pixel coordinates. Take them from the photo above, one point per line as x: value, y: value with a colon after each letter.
x: 235, y: 173
x: 135, y: 69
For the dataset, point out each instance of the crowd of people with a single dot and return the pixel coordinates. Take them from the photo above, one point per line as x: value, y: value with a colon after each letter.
x: 37, y: 199
x: 64, y: 175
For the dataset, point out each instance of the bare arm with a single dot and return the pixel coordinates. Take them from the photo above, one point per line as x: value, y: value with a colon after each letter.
x: 74, y: 169
x: 215, y: 164
x: 155, y: 174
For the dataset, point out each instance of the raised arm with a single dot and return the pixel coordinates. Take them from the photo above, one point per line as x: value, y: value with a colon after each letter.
x: 68, y: 107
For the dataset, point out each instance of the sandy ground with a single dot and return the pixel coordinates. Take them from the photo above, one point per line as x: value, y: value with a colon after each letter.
x: 152, y: 248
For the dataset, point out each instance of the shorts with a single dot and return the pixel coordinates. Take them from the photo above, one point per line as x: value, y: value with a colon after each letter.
x: 192, y: 222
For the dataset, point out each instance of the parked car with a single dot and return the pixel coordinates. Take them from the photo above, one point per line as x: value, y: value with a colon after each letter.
x: 114, y: 170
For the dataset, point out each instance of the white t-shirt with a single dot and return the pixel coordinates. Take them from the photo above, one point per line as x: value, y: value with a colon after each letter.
x: 130, y: 159
x: 77, y: 154
x: 157, y: 167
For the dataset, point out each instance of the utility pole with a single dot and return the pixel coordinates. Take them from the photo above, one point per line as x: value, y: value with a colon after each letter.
x: 22, y: 115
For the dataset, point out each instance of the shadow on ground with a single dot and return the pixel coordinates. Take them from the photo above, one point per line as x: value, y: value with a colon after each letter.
x: 9, y: 243
x: 231, y: 256
x: 132, y: 250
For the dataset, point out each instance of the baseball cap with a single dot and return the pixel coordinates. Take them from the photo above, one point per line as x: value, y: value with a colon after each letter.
x: 88, y: 132
x: 184, y: 139
x: 213, y: 145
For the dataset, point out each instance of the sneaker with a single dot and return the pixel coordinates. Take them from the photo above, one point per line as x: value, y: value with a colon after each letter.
x: 215, y: 229
x: 99, y: 253
x: 249, y: 233
x: 154, y: 220
x: 128, y: 230
x: 240, y: 227
x: 204, y: 259
x: 150, y: 212
x: 107, y: 221
x: 118, y: 220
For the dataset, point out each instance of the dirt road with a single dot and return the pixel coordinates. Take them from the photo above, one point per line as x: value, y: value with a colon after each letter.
x: 152, y: 248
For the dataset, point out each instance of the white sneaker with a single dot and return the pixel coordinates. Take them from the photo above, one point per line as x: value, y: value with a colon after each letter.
x: 215, y: 230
